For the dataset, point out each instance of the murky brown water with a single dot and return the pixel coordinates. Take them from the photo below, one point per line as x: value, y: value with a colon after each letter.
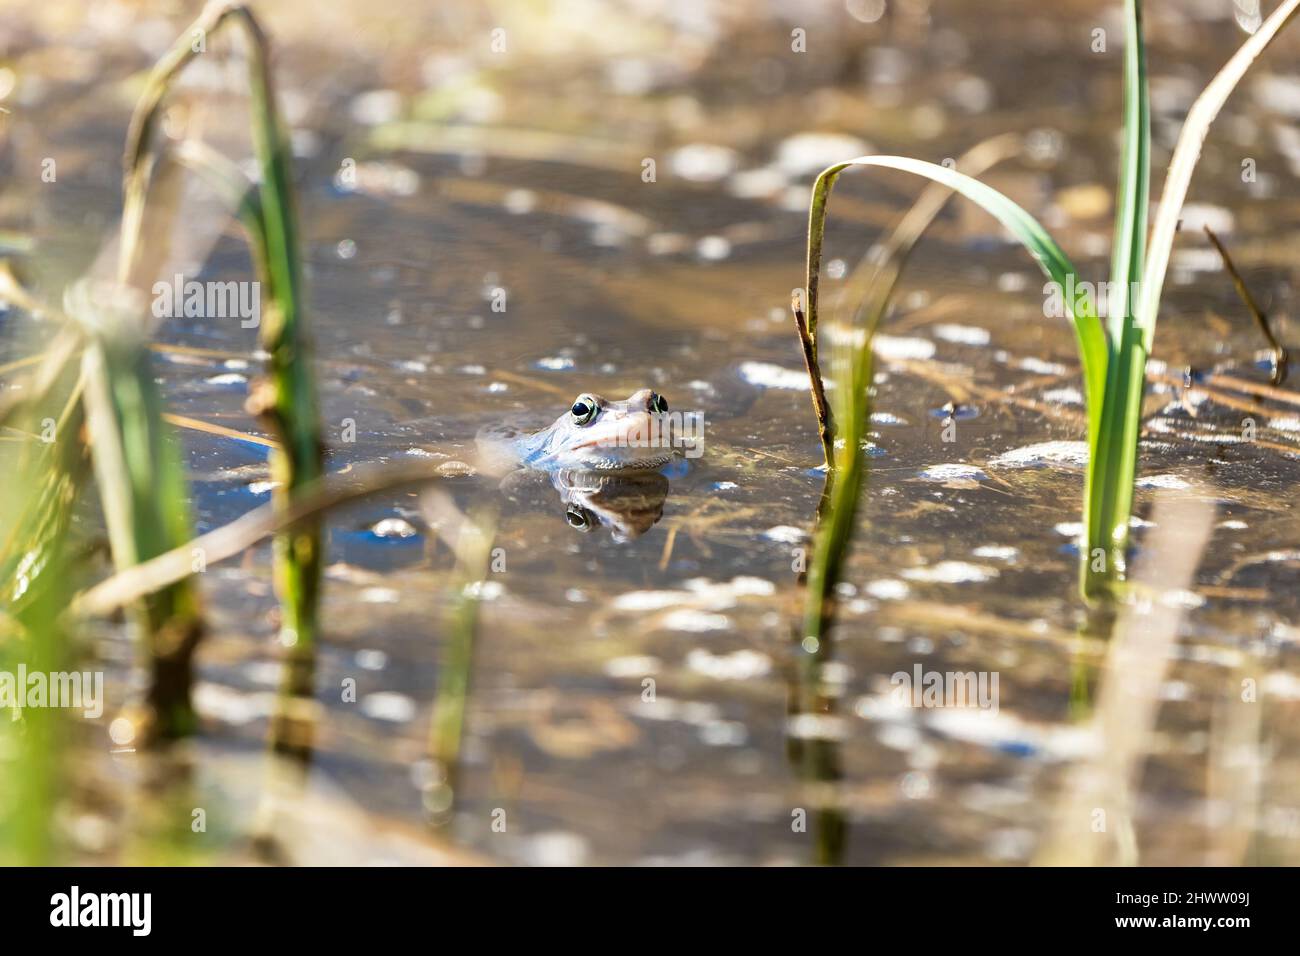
x: 523, y: 171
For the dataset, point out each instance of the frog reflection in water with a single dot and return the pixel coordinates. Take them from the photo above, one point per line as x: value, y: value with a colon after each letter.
x: 602, y: 457
x: 629, y: 504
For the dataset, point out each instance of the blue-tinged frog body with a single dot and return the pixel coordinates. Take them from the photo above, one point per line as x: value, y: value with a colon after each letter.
x: 595, y: 434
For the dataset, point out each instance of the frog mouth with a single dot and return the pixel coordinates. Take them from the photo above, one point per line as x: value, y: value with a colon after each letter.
x: 640, y: 434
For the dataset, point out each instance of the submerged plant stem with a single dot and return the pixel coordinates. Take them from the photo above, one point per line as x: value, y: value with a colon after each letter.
x: 473, y: 548
x: 816, y: 384
x: 1280, y: 358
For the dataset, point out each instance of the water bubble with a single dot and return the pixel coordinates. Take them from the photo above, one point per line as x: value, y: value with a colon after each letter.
x: 703, y: 162
x: 867, y: 11
x: 915, y: 785
x: 713, y: 248
x: 388, y: 705
x: 121, y: 731
x: 520, y: 201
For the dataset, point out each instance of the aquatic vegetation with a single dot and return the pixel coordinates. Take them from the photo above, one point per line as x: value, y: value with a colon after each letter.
x: 115, y: 398
x: 92, y: 397
x: 146, y: 503
x: 1138, y: 656
x: 1113, y: 356
x: 1279, y: 356
x: 640, y: 653
x: 851, y: 369
x: 814, y: 755
x: 94, y: 378
x: 286, y: 397
x: 470, y: 539
x: 32, y: 635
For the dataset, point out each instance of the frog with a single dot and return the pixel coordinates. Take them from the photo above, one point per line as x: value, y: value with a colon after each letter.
x: 594, y: 434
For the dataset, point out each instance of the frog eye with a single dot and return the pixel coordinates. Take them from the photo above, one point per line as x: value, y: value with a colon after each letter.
x: 584, y: 409
x: 578, y: 519
x: 658, y: 403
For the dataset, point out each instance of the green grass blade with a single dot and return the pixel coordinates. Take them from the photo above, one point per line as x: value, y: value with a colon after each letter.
x: 1133, y: 193
x: 1088, y: 331
x: 1186, y: 154
x: 875, y: 277
x: 44, y: 480
x: 289, y: 402
x: 145, y: 496
x: 851, y: 368
x: 1112, y: 466
x: 472, y: 546
x: 1112, y: 448
x: 286, y: 399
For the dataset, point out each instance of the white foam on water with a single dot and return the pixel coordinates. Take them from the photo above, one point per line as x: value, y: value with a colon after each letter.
x: 899, y: 348
x: 388, y: 705
x: 962, y: 334
x: 888, y: 589
x: 1044, y: 453
x: 632, y: 666
x: 952, y: 572
x: 1064, y: 396
x: 738, y: 665
x: 689, y: 619
x: 767, y: 375
x: 953, y: 472
x: 1171, y: 482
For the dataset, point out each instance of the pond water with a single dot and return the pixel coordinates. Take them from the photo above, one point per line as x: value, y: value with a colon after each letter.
x: 618, y: 200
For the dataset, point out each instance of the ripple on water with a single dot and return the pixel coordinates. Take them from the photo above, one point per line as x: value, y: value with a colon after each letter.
x: 952, y: 572
x: 703, y: 162
x: 226, y: 379
x: 689, y: 619
x: 739, y: 665
x: 899, y: 348
x: 389, y: 706
x: 962, y: 334
x: 1067, y: 395
x: 953, y: 472
x: 1171, y: 482
x: 888, y: 589
x: 1001, y: 552
x: 767, y: 375
x: 1069, y: 453
x: 806, y: 153
x: 633, y: 666
x: 887, y: 418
